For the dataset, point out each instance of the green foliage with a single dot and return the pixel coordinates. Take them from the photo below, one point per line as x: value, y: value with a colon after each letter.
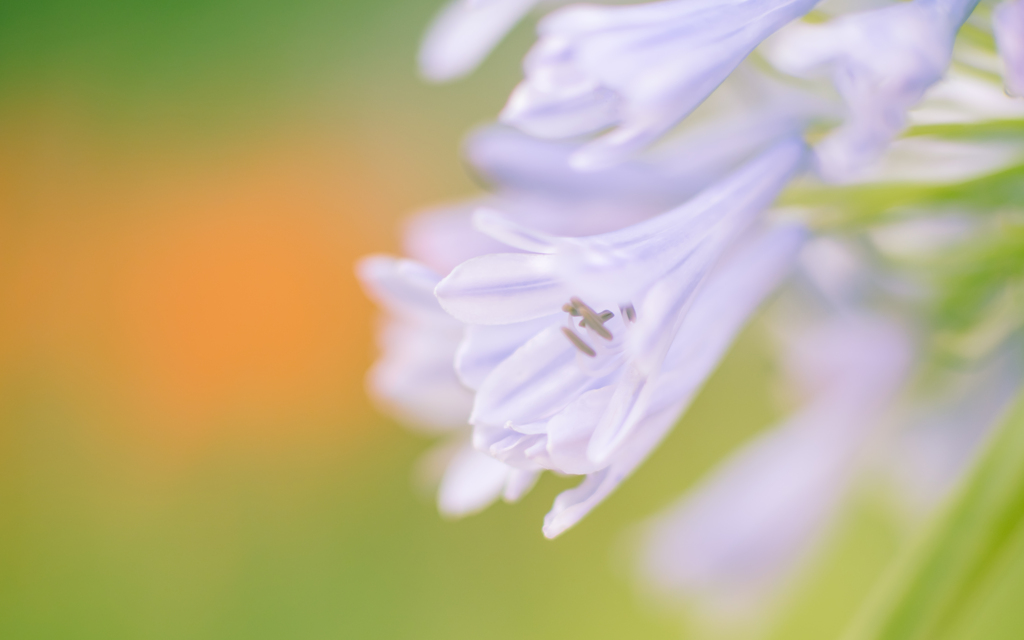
x: 863, y: 205
x: 975, y: 275
x: 944, y: 589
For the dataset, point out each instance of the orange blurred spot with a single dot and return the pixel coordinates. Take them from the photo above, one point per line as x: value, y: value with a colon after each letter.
x: 197, y: 299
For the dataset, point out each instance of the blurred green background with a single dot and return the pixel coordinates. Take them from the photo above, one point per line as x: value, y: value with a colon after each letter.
x: 185, y: 449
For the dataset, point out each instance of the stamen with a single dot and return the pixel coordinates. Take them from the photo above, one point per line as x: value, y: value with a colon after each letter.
x: 579, y: 343
x: 571, y: 310
x: 629, y: 312
x: 591, y: 318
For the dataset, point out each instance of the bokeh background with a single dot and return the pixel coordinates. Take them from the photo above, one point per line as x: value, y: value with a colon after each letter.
x: 186, y: 451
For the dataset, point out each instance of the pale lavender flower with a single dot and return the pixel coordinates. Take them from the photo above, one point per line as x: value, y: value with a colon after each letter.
x: 584, y: 399
x: 733, y: 540
x: 464, y: 32
x: 881, y: 62
x: 414, y: 378
x: 639, y: 69
x: 1008, y: 24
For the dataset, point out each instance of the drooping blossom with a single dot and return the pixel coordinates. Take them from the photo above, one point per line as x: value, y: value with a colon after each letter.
x: 583, y: 398
x: 414, y: 378
x: 636, y: 69
x: 881, y: 62
x: 733, y: 540
x: 1008, y: 25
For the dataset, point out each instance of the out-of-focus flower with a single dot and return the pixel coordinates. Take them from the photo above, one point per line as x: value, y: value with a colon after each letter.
x: 881, y: 62
x: 639, y: 69
x: 414, y: 380
x: 582, y: 398
x: 464, y: 32
x: 735, y: 538
x: 1008, y: 25
x: 961, y: 98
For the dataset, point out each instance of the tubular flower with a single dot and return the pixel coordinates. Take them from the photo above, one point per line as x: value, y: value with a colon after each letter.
x: 881, y: 63
x: 566, y: 317
x: 581, y: 393
x: 733, y: 539
x: 414, y: 378
x: 638, y: 69
x: 1008, y: 23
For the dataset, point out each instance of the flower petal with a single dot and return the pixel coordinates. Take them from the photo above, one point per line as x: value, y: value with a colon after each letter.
x: 502, y: 288
x: 535, y: 382
x: 572, y: 505
x: 1008, y: 24
x: 471, y: 483
x: 484, y: 347
x: 464, y: 32
x: 639, y: 68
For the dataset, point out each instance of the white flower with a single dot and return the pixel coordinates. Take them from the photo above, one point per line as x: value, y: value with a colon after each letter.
x: 881, y: 62
x: 585, y: 398
x: 639, y: 69
x: 1008, y: 24
x: 464, y: 32
x: 733, y: 540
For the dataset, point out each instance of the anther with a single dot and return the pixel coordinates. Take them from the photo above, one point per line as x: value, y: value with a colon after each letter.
x: 578, y: 342
x: 571, y: 310
x: 629, y: 312
x: 592, y: 319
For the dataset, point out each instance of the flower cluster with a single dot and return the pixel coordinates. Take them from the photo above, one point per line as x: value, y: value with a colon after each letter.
x: 661, y: 172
